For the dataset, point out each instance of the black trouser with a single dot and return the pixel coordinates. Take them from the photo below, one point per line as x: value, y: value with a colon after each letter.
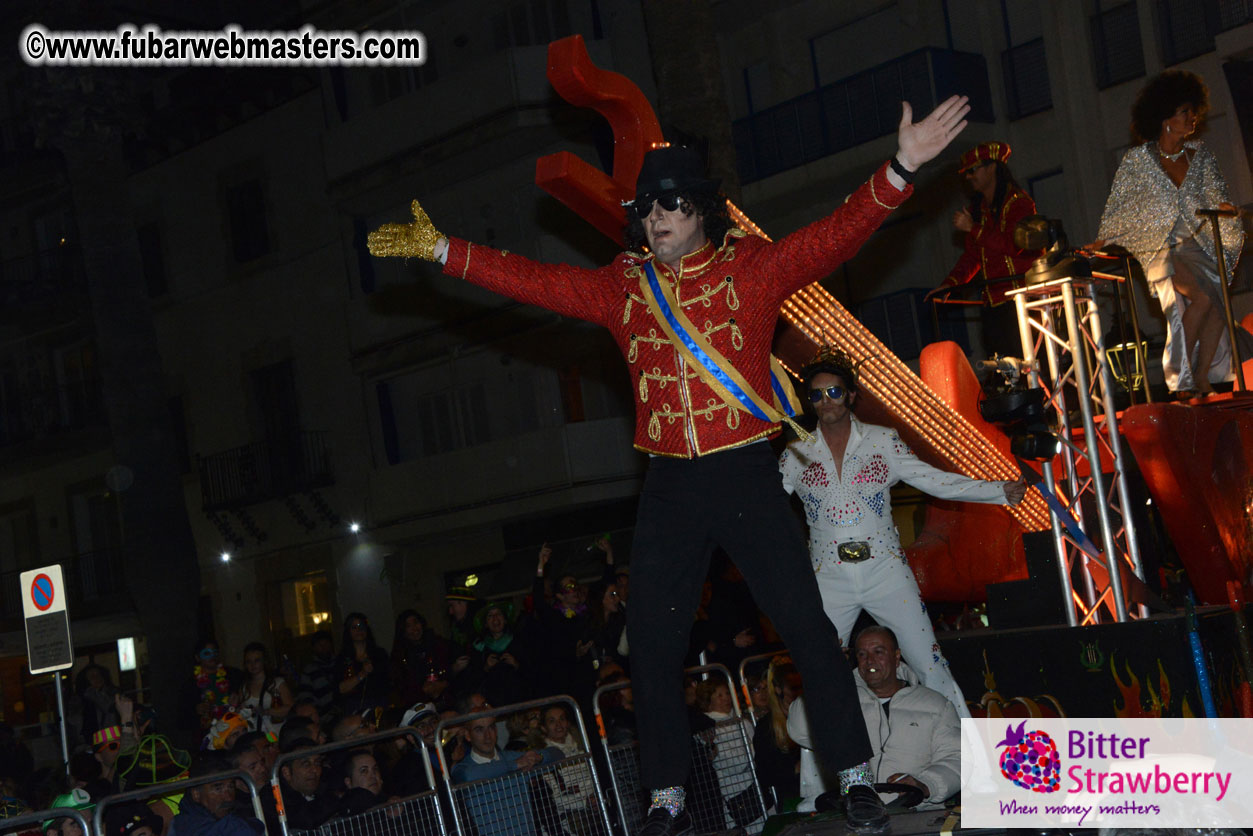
x: 733, y: 499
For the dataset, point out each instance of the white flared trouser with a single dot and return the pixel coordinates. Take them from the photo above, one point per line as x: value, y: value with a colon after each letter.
x: 885, y: 588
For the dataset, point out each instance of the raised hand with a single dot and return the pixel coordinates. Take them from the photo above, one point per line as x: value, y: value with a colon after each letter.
x: 963, y: 221
x: 417, y: 239
x: 919, y: 142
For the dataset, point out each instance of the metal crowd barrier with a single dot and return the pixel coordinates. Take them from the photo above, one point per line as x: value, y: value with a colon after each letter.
x: 417, y: 815
x: 20, y: 824
x: 561, y: 798
x: 149, y: 794
x: 421, y: 814
x: 753, y: 660
x: 723, y: 790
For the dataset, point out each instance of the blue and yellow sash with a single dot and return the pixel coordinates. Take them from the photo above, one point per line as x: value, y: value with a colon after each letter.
x: 713, y: 368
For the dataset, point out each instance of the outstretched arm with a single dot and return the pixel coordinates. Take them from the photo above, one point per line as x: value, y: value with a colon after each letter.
x: 412, y: 240
x: 571, y: 291
x: 815, y: 251
x: 907, y: 467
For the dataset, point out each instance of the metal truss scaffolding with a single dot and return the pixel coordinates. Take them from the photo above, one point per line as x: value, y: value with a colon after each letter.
x: 1059, y: 319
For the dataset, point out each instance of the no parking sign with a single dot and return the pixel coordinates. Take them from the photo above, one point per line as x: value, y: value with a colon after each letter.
x: 48, y: 645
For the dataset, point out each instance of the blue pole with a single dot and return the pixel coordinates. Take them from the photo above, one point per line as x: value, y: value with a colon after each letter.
x: 1198, y: 660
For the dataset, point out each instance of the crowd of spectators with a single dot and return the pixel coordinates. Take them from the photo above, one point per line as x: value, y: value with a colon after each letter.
x: 567, y: 637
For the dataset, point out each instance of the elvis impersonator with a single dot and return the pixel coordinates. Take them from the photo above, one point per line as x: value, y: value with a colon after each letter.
x: 692, y: 304
x: 843, y: 475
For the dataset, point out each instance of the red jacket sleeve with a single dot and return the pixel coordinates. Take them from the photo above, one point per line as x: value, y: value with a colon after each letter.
x: 815, y: 251
x: 578, y: 292
x: 967, y: 266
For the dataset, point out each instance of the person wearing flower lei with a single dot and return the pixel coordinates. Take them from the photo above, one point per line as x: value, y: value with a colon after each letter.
x: 214, y: 684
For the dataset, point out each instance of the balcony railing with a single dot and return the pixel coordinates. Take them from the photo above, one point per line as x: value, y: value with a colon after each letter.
x: 1187, y: 28
x: 857, y: 109
x: 1117, y: 50
x: 29, y: 413
x: 41, y: 277
x: 95, y: 583
x: 1026, y: 73
x: 905, y: 323
x: 265, y: 470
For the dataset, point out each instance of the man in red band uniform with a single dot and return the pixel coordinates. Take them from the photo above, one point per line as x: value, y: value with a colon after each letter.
x: 988, y: 222
x: 710, y: 480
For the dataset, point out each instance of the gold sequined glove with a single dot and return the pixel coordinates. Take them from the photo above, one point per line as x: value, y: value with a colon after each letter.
x: 408, y: 240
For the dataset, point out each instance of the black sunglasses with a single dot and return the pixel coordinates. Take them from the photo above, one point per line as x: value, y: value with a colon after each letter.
x: 832, y: 392
x: 643, y: 206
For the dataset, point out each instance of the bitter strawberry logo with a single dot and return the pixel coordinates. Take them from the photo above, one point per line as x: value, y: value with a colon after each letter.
x: 1030, y: 759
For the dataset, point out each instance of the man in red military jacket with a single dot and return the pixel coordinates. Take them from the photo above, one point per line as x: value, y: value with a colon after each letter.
x: 693, y: 313
x: 988, y: 222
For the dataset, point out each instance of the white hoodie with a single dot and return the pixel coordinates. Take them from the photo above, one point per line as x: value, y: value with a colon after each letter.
x: 920, y: 735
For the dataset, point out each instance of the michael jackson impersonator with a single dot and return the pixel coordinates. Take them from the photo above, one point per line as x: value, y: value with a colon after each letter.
x: 843, y: 475
x: 692, y: 304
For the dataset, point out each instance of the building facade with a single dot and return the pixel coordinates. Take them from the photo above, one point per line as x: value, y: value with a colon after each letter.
x: 312, y: 388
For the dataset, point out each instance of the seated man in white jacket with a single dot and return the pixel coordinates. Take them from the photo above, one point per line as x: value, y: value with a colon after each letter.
x: 914, y: 731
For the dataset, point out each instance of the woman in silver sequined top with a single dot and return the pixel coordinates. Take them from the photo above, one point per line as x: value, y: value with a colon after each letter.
x: 1151, y: 211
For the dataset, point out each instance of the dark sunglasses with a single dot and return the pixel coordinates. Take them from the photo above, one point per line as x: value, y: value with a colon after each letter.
x: 643, y: 206
x: 832, y: 392
x: 358, y: 625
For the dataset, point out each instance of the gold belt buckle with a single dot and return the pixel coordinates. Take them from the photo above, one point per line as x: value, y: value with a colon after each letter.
x: 854, y: 551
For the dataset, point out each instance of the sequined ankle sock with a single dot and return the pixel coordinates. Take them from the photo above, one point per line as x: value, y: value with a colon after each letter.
x: 855, y: 775
x: 669, y: 799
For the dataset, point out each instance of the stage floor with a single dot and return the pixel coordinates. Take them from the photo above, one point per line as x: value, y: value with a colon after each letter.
x: 927, y: 823
x: 1142, y: 668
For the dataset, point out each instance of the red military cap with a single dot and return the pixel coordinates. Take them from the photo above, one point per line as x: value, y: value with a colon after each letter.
x: 985, y: 152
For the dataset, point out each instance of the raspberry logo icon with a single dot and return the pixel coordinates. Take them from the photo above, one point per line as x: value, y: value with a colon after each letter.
x: 1030, y: 759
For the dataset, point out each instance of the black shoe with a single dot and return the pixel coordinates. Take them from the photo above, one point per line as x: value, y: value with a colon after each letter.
x: 660, y: 823
x: 829, y: 802
x: 864, y: 811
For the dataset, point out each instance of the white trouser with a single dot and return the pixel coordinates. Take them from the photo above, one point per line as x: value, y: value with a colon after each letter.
x: 885, y: 588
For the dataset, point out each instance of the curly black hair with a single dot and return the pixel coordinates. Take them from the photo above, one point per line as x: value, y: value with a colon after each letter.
x: 1161, y: 97
x: 711, y: 206
x: 836, y: 363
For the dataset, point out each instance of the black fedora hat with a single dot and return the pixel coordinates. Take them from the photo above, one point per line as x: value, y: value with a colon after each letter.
x: 673, y: 169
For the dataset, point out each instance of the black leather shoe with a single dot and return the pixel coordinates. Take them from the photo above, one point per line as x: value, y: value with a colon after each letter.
x: 660, y: 823
x: 864, y: 811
